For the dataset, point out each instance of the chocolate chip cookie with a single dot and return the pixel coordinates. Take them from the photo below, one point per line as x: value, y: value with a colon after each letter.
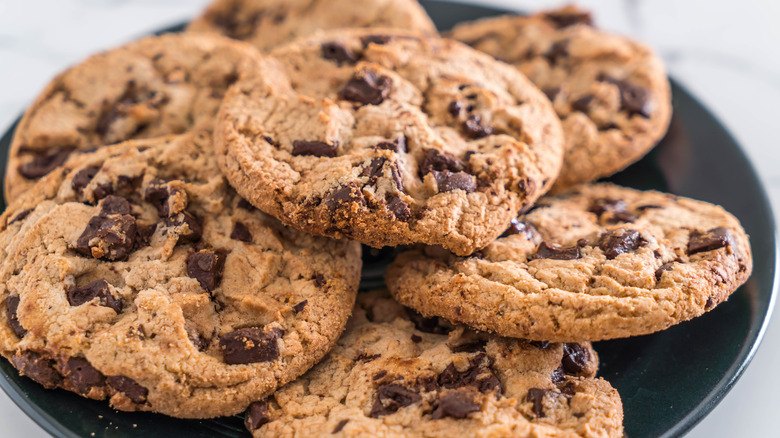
x: 157, y: 86
x: 597, y: 262
x: 611, y: 92
x: 396, y: 374
x: 389, y: 138
x: 135, y: 273
x: 270, y: 23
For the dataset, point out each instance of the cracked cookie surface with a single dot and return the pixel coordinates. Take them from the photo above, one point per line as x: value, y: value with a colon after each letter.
x: 396, y: 374
x: 135, y: 273
x: 610, y: 92
x: 156, y: 86
x: 597, y: 262
x: 389, y: 138
x: 270, y: 23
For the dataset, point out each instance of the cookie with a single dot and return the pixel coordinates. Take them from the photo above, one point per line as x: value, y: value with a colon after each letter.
x: 389, y: 138
x: 156, y: 86
x: 598, y: 262
x: 135, y: 273
x: 270, y: 23
x: 395, y: 374
x: 611, y: 92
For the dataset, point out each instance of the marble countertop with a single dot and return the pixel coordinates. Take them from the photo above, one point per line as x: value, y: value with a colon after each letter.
x: 722, y: 51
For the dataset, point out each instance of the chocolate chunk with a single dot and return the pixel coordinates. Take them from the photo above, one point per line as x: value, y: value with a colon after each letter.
x: 612, y: 210
x: 344, y: 196
x: 617, y: 242
x: 438, y: 161
x: 197, y: 340
x: 298, y: 308
x: 478, y: 375
x: 556, y: 252
x: 583, y: 103
x: 11, y: 307
x: 552, y: 92
x: 250, y: 345
x: 340, y: 426
x: 114, y: 205
x: 416, y: 339
x: 367, y: 88
x: 568, y: 390
x: 157, y: 193
x: 435, y: 325
x: 469, y: 347
x: 448, y: 181
x: 428, y: 383
x: 709, y: 304
x: 256, y: 415
x: 542, y: 345
x: 83, y: 178
x: 474, y: 129
x: 711, y: 240
x: 315, y: 148
x: 365, y: 357
x: 82, y: 375
x: 241, y: 232
x: 379, y: 375
x: 206, y: 266
x: 37, y: 367
x: 390, y: 398
x: 108, y: 236
x: 186, y: 226
x: 456, y: 404
x: 517, y: 226
x: 398, y: 145
x: 334, y: 51
x: 319, y: 280
x: 375, y: 39
x: 455, y: 108
x: 96, y: 289
x: 103, y: 190
x: 21, y: 216
x: 44, y: 162
x: 575, y: 359
x: 557, y: 51
x: 633, y: 98
x: 399, y: 208
x: 568, y: 17
x: 374, y: 169
x: 668, y: 266
x: 536, y: 396
x: 558, y: 376
x: 245, y: 205
x: 129, y: 387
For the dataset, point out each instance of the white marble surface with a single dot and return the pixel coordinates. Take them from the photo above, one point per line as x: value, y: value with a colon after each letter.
x: 723, y: 51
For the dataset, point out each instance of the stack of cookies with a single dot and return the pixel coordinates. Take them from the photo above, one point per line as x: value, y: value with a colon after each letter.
x: 187, y: 212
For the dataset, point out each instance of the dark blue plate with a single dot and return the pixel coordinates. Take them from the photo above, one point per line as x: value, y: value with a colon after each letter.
x: 668, y: 381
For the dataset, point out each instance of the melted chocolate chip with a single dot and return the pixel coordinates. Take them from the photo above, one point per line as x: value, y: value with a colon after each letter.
x: 399, y: 145
x: 241, y: 232
x: 82, y: 375
x: 256, y: 415
x: 668, y: 266
x: 575, y: 359
x: 109, y: 235
x: 416, y: 339
x: 298, y: 308
x: 97, y: 289
x: 83, y: 177
x: 474, y: 129
x: 536, y: 396
x: 435, y: 325
x: 340, y: 426
x: 186, y: 226
x: 448, y: 181
x: 566, y: 17
x: 438, y: 161
x: 21, y: 216
x: 343, y: 196
x: 157, y: 193
x: 37, y: 367
x: 713, y: 239
x: 618, y: 242
x: 250, y: 345
x: 633, y: 98
x: 44, y: 162
x: 478, y: 375
x: 612, y: 210
x: 555, y: 252
x: 367, y: 88
x: 334, y: 51
x: 374, y: 169
x: 206, y: 266
x: 129, y: 387
x: 520, y: 227
x: 365, y: 357
x: 11, y: 307
x: 392, y: 397
x: 314, y: 148
x: 399, y: 208
x: 456, y: 404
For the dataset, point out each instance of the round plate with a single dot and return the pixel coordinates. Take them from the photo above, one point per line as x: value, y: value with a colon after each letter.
x: 668, y: 381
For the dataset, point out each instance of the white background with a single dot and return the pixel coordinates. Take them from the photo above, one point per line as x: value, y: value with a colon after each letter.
x: 725, y: 52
